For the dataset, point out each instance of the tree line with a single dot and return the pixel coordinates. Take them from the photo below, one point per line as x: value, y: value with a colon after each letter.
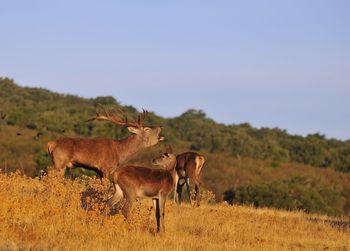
x: 30, y: 117
x: 46, y: 111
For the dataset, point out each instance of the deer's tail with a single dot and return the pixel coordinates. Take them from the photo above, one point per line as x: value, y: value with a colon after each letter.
x: 200, y: 161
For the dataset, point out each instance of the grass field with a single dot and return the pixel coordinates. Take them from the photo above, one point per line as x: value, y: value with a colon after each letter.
x: 47, y: 214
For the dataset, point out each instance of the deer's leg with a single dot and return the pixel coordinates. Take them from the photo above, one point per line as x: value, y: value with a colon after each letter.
x: 176, y: 199
x: 71, y: 167
x: 198, y: 185
x: 60, y: 163
x: 188, y: 188
x: 127, y: 206
x: 62, y: 171
x: 102, y: 174
x: 156, y: 206
x: 197, y: 194
x: 161, y: 203
x: 179, y: 191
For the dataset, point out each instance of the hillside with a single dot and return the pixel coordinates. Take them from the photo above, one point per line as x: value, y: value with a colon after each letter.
x: 47, y: 214
x: 245, y: 165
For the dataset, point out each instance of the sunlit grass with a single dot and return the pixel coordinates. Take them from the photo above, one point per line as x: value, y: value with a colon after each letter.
x: 48, y: 214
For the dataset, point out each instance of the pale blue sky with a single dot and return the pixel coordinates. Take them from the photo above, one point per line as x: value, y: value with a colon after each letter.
x: 270, y: 63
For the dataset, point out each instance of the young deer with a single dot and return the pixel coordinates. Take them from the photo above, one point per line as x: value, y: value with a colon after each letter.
x: 189, y: 166
x: 134, y: 182
x: 103, y: 155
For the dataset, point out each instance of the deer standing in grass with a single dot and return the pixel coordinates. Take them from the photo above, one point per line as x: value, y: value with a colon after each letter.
x: 103, y: 155
x: 134, y: 182
x: 189, y: 167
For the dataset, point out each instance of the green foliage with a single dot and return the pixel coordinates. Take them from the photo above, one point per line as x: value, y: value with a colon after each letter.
x: 80, y: 172
x: 42, y: 161
x: 40, y: 109
x: 341, y: 159
x: 299, y: 193
x: 268, y: 144
x: 30, y: 117
x: 275, y: 164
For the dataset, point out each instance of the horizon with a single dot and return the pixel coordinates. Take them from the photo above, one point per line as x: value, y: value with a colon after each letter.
x: 271, y: 64
x: 170, y: 117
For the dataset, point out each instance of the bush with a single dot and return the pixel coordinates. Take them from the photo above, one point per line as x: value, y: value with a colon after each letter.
x: 42, y: 161
x: 299, y: 193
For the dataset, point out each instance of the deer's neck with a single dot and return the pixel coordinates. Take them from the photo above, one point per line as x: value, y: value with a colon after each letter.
x: 172, y: 170
x: 127, y: 147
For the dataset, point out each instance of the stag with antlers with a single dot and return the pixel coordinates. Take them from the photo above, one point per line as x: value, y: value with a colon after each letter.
x: 133, y: 182
x: 104, y: 155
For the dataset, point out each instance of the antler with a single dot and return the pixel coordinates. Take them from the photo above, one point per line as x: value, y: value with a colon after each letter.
x: 111, y: 116
x: 141, y: 118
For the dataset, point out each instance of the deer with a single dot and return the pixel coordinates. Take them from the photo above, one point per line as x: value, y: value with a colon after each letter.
x: 104, y: 155
x: 189, y: 167
x: 135, y: 182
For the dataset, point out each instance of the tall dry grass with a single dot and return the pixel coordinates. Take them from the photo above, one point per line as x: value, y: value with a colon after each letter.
x: 48, y: 214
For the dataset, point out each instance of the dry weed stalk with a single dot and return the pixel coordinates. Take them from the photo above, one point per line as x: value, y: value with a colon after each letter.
x: 47, y: 214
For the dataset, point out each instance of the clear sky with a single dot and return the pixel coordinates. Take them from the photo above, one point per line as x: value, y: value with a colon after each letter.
x: 276, y: 63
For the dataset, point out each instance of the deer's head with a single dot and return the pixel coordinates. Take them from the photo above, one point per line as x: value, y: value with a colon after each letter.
x: 167, y: 160
x: 147, y: 136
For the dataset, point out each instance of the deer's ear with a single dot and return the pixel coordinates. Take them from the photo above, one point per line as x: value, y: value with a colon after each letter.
x: 147, y: 129
x: 134, y: 129
x: 168, y: 149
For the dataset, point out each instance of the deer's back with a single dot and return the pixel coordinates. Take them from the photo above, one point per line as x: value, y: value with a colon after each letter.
x: 147, y: 182
x: 189, y: 164
x: 87, y: 151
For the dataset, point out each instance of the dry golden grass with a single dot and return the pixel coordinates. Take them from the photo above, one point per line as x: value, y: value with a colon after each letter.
x: 47, y: 214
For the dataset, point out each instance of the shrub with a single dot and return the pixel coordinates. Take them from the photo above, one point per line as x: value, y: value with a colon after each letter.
x: 299, y: 193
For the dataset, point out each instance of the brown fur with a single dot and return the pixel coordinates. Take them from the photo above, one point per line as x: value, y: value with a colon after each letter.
x: 134, y: 182
x: 189, y: 166
x: 103, y: 155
